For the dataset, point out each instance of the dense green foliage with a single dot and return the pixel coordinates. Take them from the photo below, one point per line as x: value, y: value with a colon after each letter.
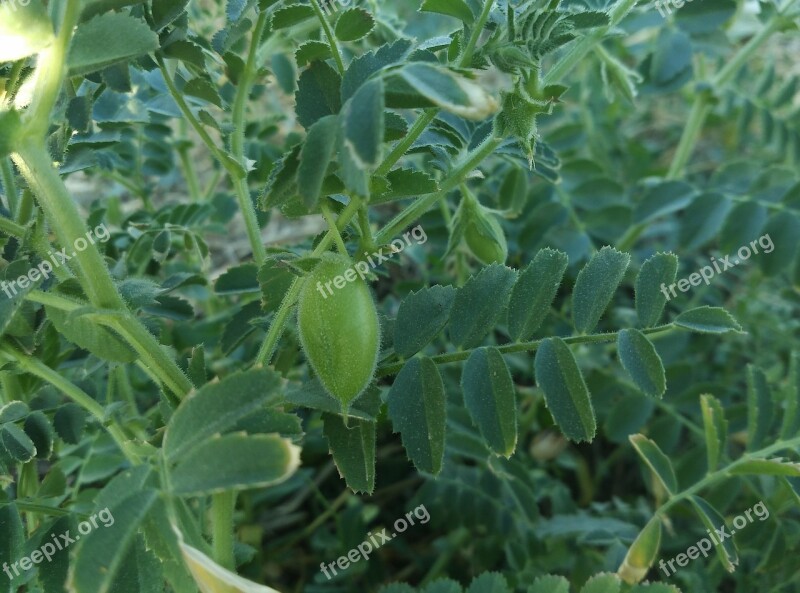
x: 483, y: 296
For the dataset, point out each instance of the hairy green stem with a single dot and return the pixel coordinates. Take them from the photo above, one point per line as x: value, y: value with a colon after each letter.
x: 12, y: 229
x: 326, y: 27
x: 36, y: 167
x: 237, y: 141
x: 701, y: 107
x: 416, y: 130
x: 50, y: 73
x: 725, y: 472
x: 477, y: 29
x: 38, y: 369
x: 223, y: 506
x: 154, y: 359
x: 393, y: 369
x: 231, y: 166
x: 584, y: 45
x: 424, y: 203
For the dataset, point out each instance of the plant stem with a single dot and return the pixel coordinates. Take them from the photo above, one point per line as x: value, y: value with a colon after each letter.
x: 50, y: 73
x: 469, y: 50
x: 36, y: 167
x: 423, y: 203
x: 578, y: 51
x: 9, y: 187
x: 231, y: 166
x: 38, y: 369
x: 725, y: 473
x: 337, y: 56
x: 337, y: 237
x: 237, y: 141
x: 189, y: 172
x: 701, y: 107
x: 223, y: 506
x: 461, y: 355
x: 12, y: 229
x: 401, y: 147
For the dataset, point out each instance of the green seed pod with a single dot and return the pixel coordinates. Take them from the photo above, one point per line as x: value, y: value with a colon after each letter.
x: 339, y: 328
x: 485, y: 237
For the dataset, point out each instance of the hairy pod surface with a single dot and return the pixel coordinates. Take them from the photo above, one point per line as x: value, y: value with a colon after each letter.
x: 339, y: 328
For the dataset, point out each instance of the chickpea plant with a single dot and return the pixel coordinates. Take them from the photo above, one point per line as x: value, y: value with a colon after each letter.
x: 250, y: 393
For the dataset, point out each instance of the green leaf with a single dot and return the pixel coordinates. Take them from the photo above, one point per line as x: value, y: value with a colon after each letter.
x: 549, y: 584
x: 41, y: 433
x: 16, y: 443
x: 759, y: 408
x: 417, y: 409
x: 655, y: 459
x: 489, y: 582
x: 640, y: 359
x: 102, y: 553
x: 711, y: 520
x: 363, y: 122
x: 108, y: 39
x: 489, y: 397
x: 708, y: 320
x: 12, y: 542
x: 660, y: 270
x: 602, y: 583
x: 13, y: 411
x: 406, y: 183
x: 213, y: 578
x: 448, y: 90
x: 455, y: 8
x: 743, y: 224
x: 565, y: 391
x: 25, y: 30
x: 420, y: 318
x: 479, y: 304
x: 316, y: 155
x: 715, y: 427
x: 282, y: 183
x: 705, y: 17
x: 353, y: 450
x: 791, y: 411
x: 662, y: 199
x: 642, y: 553
x: 765, y: 467
x: 166, y: 11
x: 217, y: 408
x: 353, y: 24
x: 311, y: 51
x: 783, y: 234
x: 241, y: 279
x: 534, y: 292
x: 234, y: 462
x: 318, y: 93
x: 10, y: 128
x: 595, y: 287
x: 69, y: 422
x: 442, y: 586
x: 289, y: 16
x: 85, y: 333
